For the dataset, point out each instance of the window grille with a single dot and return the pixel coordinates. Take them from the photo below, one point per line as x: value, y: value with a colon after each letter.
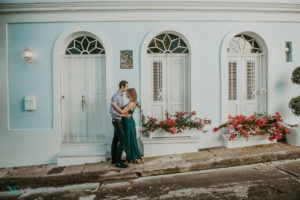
x: 84, y: 45
x: 243, y: 44
x: 167, y: 43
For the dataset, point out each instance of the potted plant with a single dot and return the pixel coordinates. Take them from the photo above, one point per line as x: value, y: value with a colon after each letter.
x: 177, y: 133
x: 180, y: 124
x: 257, y: 129
x: 294, y: 105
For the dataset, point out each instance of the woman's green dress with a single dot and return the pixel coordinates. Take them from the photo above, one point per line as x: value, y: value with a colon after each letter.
x: 132, y: 148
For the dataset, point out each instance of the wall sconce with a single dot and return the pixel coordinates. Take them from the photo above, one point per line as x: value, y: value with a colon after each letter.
x: 288, y: 51
x: 28, y: 55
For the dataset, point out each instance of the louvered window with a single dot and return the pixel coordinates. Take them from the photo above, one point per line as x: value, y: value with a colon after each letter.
x: 232, y: 92
x: 157, y: 81
x: 250, y: 79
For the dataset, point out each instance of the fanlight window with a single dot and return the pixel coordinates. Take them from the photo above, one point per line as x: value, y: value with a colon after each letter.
x: 85, y: 45
x: 167, y: 43
x: 243, y: 44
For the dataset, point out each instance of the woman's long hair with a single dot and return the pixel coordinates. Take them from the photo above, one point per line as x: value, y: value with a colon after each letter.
x: 132, y: 94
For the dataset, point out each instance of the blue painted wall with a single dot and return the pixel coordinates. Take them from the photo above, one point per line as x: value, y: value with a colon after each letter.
x: 37, y: 79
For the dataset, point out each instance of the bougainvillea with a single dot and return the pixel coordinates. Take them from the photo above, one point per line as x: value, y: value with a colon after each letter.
x: 174, y: 124
x: 257, y: 124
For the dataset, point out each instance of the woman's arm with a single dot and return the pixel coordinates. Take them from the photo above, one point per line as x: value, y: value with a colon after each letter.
x: 125, y: 110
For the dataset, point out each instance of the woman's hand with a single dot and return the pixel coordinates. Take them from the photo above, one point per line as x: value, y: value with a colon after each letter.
x: 127, y: 115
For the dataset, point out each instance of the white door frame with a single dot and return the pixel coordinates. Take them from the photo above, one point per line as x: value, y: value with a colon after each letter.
x: 261, y: 38
x: 60, y: 46
x: 193, y: 63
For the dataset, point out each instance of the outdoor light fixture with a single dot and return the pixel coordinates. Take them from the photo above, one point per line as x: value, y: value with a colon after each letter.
x: 287, y: 49
x: 28, y: 55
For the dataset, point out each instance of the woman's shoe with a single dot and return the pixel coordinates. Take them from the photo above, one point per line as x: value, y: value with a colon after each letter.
x: 140, y: 160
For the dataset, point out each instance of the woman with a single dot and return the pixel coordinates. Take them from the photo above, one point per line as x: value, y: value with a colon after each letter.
x: 132, y: 150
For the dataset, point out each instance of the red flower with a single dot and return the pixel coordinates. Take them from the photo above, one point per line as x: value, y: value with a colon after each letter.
x: 216, y: 129
x: 194, y: 113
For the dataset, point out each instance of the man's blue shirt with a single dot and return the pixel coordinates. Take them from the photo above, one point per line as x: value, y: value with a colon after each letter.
x: 118, y: 99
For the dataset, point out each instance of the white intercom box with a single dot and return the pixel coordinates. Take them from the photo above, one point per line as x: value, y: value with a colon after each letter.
x: 30, y: 102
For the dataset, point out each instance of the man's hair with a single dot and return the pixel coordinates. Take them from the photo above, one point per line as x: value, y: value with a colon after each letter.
x: 122, y: 83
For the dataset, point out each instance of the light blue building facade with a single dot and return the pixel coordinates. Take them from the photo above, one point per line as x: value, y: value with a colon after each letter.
x: 207, y: 30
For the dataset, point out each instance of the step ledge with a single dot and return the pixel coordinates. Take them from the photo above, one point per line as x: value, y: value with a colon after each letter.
x: 83, y: 144
x: 80, y: 154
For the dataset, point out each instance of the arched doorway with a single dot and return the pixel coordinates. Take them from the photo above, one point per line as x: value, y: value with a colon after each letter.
x: 246, y: 80
x: 166, y: 75
x: 83, y: 90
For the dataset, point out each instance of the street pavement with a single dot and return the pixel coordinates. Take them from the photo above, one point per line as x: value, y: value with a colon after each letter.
x: 270, y: 180
x: 52, y: 180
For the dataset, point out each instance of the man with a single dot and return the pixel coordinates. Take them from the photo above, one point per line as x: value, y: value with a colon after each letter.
x: 119, y: 140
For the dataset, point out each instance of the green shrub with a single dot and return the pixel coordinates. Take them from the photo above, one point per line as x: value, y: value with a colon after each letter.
x: 296, y: 76
x: 294, y: 104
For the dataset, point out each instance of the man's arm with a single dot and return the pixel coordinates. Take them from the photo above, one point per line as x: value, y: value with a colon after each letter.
x: 116, y: 100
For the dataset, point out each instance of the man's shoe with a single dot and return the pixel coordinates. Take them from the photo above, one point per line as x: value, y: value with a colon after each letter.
x: 114, y: 162
x: 121, y: 165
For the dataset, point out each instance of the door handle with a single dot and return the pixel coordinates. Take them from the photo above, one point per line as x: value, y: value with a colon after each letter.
x: 83, y: 103
x: 262, y: 91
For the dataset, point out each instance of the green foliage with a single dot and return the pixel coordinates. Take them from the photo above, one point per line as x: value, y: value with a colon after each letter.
x: 294, y: 105
x: 296, y: 76
x: 175, y: 123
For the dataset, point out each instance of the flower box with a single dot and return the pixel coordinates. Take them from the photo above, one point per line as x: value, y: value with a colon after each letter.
x: 177, y: 133
x: 241, y: 141
x: 257, y: 129
x: 160, y: 142
x: 160, y: 133
x: 294, y: 137
x: 159, y: 146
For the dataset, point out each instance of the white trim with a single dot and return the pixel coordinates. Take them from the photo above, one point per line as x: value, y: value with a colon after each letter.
x: 261, y: 37
x: 200, y: 5
x: 59, y: 49
x: 4, y: 105
x: 192, y: 52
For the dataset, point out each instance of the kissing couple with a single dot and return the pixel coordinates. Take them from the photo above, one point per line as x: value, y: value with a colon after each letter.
x: 124, y: 127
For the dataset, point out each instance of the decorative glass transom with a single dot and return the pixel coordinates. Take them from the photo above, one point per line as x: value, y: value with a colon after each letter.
x: 167, y: 43
x: 243, y: 44
x: 84, y: 45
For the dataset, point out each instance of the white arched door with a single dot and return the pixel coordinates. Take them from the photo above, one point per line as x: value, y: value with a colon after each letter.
x: 246, y: 77
x: 167, y: 75
x: 83, y: 96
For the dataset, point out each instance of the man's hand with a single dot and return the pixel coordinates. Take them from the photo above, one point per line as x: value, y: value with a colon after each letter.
x: 127, y: 115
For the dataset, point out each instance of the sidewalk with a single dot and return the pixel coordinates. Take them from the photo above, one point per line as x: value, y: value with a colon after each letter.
x: 53, y: 175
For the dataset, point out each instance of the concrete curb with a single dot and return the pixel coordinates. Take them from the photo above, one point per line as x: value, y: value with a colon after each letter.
x: 167, y: 167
